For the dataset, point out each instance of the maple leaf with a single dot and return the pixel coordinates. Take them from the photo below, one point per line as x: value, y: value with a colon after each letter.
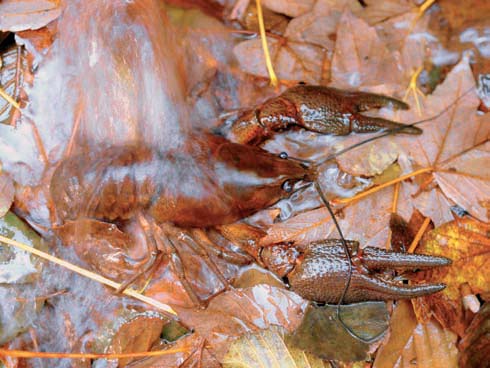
x: 466, y: 242
x: 453, y: 147
x: 291, y: 60
x: 361, y: 58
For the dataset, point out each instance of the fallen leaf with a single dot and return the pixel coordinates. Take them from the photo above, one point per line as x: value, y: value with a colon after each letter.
x: 268, y: 348
x: 13, y: 64
x: 236, y: 312
x: 427, y: 344
x: 467, y: 243
x: 192, y: 355
x: 19, y: 278
x: 448, y: 142
x: 365, y: 221
x: 361, y: 59
x: 319, y: 26
x: 295, y: 61
x: 293, y: 8
x: 137, y: 333
x: 475, y: 344
x: 321, y: 334
x: 20, y: 15
x: 7, y: 192
x: 18, y: 266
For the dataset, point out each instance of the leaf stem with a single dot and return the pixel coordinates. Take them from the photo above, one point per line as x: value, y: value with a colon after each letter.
x: 382, y: 186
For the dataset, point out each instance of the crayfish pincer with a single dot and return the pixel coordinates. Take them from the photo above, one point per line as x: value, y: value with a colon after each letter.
x: 320, y: 109
x: 322, y: 274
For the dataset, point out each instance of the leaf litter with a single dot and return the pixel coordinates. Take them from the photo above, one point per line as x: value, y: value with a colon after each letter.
x: 455, y: 149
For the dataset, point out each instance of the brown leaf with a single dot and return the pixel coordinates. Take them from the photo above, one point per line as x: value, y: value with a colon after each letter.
x: 321, y: 333
x: 268, y: 348
x: 365, y: 221
x: 291, y: 60
x: 475, y: 344
x: 318, y: 26
x: 293, y: 8
x: 451, y: 145
x: 361, y: 58
x: 466, y: 242
x: 137, y: 334
x: 193, y: 355
x: 13, y: 67
x: 425, y: 343
x: 20, y: 15
x: 7, y: 192
x: 235, y: 312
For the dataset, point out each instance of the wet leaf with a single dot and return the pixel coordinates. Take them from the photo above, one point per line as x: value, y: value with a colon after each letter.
x: 192, y: 355
x: 321, y: 334
x: 18, y: 273
x: 361, y: 59
x: 291, y: 60
x: 7, y: 192
x: 136, y: 332
x: 20, y: 15
x: 268, y: 348
x: 12, y: 66
x: 467, y: 243
x: 18, y: 266
x: 448, y: 142
x: 318, y: 26
x: 293, y: 8
x: 365, y: 221
x: 475, y: 344
x: 425, y: 343
x: 236, y: 312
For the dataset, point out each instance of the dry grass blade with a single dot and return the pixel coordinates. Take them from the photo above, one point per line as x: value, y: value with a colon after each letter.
x: 268, y: 62
x: 167, y: 310
x: 49, y: 355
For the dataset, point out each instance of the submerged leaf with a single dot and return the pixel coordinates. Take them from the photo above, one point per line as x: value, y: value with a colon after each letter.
x: 266, y: 349
x: 18, y: 272
x: 18, y: 266
x: 7, y: 192
x: 239, y: 311
x: 322, y: 334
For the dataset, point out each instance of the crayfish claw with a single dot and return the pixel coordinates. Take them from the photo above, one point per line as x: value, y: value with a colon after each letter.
x: 370, y: 124
x: 376, y: 258
x: 371, y: 287
x: 325, y: 269
x: 365, y: 101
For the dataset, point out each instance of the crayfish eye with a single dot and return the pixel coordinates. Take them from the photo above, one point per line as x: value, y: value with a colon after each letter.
x: 283, y: 155
x: 287, y: 186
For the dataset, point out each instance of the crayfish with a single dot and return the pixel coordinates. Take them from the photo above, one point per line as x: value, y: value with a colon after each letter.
x: 214, y: 181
